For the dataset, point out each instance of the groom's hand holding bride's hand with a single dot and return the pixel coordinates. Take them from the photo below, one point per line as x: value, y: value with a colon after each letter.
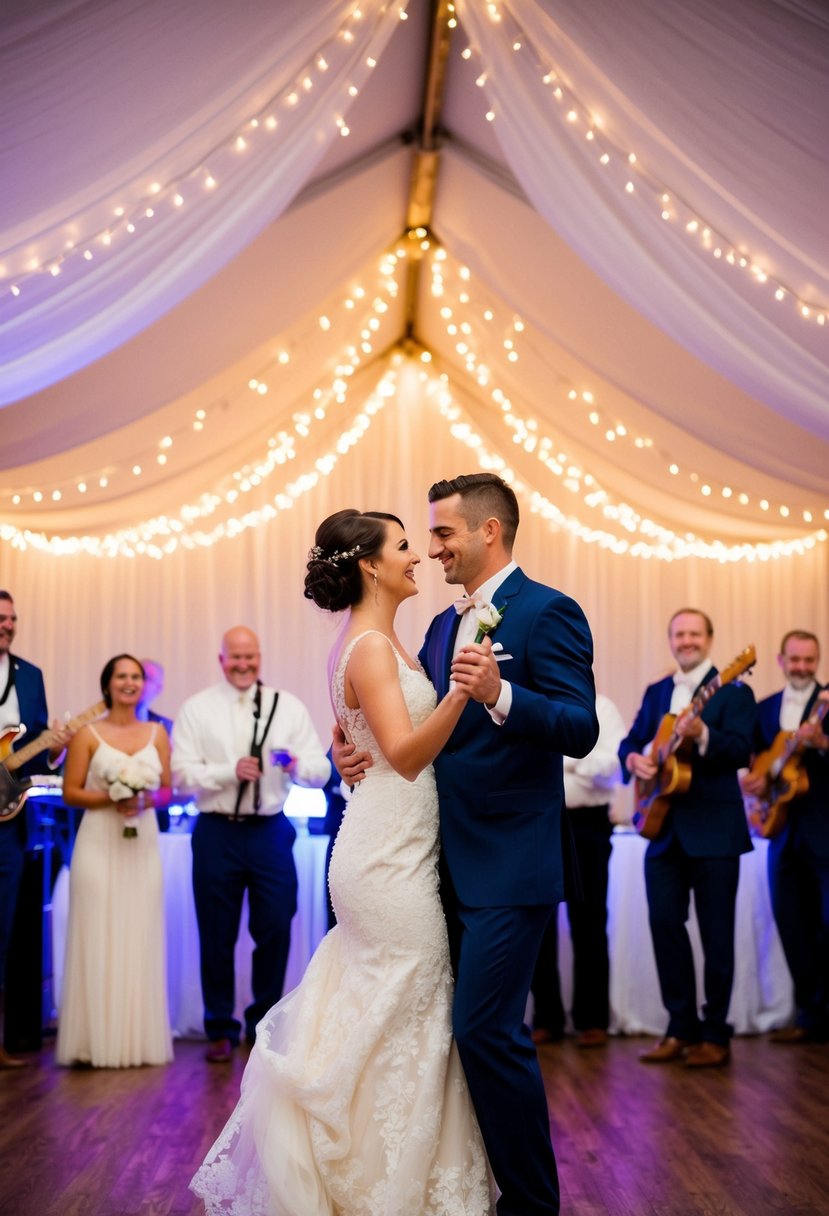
x: 349, y: 763
x: 475, y: 671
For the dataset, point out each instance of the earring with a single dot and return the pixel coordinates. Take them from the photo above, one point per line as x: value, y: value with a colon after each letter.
x: 376, y: 593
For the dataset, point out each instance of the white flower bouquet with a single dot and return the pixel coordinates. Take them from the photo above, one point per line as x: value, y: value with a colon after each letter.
x: 132, y: 777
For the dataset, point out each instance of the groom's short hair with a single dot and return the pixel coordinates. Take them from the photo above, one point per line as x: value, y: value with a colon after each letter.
x: 483, y: 495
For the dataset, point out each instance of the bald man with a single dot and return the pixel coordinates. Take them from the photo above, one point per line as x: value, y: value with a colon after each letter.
x: 223, y: 740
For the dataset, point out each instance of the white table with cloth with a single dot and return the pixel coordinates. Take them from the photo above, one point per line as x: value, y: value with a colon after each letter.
x: 762, y: 996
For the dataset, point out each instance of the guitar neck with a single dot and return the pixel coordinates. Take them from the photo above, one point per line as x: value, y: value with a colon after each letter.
x: 48, y: 738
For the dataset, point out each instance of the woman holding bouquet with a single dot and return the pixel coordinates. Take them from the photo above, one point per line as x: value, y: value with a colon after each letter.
x: 114, y: 1004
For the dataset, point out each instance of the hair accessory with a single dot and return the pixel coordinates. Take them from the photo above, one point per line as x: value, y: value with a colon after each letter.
x: 337, y: 556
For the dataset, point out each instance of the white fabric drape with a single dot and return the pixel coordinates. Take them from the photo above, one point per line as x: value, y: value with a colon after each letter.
x: 724, y: 108
x: 101, y: 103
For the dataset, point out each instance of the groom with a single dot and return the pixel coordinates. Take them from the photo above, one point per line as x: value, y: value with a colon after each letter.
x: 500, y: 787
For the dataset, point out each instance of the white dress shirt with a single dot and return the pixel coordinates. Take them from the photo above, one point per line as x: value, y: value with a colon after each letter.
x: 793, y: 704
x: 589, y: 781
x: 467, y: 629
x: 213, y: 732
x: 10, y: 711
x: 685, y: 682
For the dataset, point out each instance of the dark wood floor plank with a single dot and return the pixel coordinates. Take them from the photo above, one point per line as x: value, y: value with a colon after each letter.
x: 631, y: 1139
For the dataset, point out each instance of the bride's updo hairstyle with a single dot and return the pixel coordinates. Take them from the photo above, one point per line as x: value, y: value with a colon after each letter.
x: 333, y: 578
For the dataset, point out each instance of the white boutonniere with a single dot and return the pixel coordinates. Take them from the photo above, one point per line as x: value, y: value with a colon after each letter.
x: 489, y: 618
x: 132, y: 777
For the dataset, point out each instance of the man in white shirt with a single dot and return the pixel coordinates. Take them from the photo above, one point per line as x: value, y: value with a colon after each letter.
x: 238, y: 746
x: 588, y: 784
x: 798, y: 861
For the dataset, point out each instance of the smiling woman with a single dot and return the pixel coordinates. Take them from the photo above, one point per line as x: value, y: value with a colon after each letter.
x: 114, y: 1008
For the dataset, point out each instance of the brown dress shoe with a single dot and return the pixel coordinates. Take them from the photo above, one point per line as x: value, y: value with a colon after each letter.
x: 707, y: 1055
x: 666, y: 1051
x: 790, y: 1034
x: 595, y: 1037
x: 219, y: 1051
x: 541, y: 1035
x: 7, y: 1061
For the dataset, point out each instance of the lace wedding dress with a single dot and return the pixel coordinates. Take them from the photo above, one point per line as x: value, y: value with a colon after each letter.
x: 113, y: 1009
x: 353, y: 1101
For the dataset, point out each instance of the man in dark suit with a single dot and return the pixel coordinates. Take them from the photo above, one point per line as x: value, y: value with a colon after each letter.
x: 22, y: 702
x: 500, y: 788
x: 798, y: 857
x: 501, y: 796
x: 699, y: 845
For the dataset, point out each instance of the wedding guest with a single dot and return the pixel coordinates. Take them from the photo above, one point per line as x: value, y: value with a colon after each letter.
x: 698, y: 847
x: 588, y: 784
x: 153, y: 688
x: 22, y: 703
x: 222, y: 743
x: 113, y: 1009
x: 798, y: 855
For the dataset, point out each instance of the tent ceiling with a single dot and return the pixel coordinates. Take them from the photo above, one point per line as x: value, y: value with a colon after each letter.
x: 257, y: 316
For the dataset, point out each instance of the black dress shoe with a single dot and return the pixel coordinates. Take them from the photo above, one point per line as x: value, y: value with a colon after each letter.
x: 220, y: 1051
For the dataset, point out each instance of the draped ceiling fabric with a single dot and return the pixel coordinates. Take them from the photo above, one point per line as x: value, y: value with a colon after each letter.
x: 623, y: 306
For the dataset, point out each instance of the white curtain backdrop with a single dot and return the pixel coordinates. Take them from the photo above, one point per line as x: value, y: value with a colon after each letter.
x: 709, y: 97
x: 190, y: 79
x: 75, y: 613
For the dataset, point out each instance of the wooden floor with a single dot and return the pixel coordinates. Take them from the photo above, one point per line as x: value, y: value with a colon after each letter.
x: 631, y: 1140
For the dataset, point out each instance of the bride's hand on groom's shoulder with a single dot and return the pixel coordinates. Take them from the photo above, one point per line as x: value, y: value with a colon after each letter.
x: 349, y: 763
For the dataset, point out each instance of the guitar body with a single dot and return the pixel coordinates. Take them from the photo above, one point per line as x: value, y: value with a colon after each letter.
x: 671, y: 753
x: 13, y: 793
x: 787, y: 779
x: 7, y: 738
x: 653, y: 798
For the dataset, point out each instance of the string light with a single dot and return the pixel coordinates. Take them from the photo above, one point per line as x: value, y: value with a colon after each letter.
x: 159, y: 199
x: 525, y: 431
x: 680, y: 214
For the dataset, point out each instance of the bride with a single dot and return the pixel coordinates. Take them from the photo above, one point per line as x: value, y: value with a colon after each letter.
x: 353, y: 1101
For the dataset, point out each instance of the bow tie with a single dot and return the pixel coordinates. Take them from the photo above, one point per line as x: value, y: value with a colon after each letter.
x: 465, y: 603
x: 684, y: 679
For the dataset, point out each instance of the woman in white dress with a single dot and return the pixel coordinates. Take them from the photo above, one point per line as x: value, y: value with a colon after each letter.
x: 113, y: 1009
x: 353, y: 1101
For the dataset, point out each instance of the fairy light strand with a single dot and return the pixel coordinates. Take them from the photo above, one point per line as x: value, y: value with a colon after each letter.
x: 683, y: 217
x: 162, y: 199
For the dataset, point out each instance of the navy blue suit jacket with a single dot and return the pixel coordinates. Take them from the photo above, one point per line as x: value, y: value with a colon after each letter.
x: 500, y: 787
x: 810, y: 812
x: 709, y: 818
x: 31, y: 696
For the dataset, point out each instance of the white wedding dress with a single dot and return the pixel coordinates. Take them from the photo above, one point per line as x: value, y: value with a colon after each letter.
x: 113, y: 1008
x: 353, y: 1101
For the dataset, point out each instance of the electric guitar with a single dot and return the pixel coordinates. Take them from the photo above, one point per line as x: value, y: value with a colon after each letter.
x: 786, y: 778
x: 13, y: 793
x: 671, y: 753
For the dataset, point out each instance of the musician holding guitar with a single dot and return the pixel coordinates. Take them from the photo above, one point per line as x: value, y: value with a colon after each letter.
x: 709, y: 723
x: 22, y: 701
x: 788, y: 801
